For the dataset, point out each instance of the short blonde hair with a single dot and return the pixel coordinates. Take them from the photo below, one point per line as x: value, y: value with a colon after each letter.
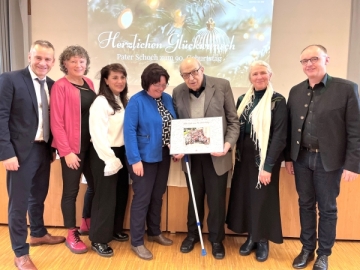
x: 42, y: 43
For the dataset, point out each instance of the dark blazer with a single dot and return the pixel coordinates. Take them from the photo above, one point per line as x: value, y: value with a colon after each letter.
x: 219, y: 101
x: 338, y: 115
x: 18, y: 114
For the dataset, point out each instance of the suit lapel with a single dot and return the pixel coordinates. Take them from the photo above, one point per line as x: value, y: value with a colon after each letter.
x: 209, y: 93
x: 31, y: 89
x: 186, y: 100
x: 49, y: 83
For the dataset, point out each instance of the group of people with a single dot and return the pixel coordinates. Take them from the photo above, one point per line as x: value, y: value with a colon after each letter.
x: 108, y: 138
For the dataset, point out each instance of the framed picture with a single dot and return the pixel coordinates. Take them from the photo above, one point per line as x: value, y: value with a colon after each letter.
x: 196, y: 135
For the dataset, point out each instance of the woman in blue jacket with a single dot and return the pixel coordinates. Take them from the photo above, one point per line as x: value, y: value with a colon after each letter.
x: 147, y: 127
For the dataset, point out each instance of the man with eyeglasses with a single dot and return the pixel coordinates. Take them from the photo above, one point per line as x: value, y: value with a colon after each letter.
x: 204, y: 96
x: 323, y: 148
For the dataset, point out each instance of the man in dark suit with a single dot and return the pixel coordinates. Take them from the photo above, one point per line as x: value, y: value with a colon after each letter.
x: 204, y: 96
x: 323, y: 147
x: 25, y: 149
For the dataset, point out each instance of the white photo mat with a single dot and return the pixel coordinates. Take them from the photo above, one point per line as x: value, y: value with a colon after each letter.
x: 196, y: 135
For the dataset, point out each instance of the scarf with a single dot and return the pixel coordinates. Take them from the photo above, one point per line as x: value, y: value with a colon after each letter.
x: 260, y: 119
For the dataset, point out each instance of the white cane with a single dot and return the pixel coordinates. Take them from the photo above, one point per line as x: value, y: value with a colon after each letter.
x: 203, y: 251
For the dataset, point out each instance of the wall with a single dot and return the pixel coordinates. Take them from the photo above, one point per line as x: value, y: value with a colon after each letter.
x: 297, y: 24
x: 354, y: 48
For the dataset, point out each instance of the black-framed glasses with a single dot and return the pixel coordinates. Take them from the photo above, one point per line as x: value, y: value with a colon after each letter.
x: 159, y: 85
x: 193, y: 73
x: 313, y: 60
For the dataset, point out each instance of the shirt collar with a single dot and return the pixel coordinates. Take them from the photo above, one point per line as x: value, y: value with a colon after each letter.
x: 34, y: 76
x: 202, y: 88
x: 118, y: 99
x: 323, y: 81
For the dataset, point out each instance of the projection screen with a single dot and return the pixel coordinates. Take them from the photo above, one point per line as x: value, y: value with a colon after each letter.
x: 225, y: 35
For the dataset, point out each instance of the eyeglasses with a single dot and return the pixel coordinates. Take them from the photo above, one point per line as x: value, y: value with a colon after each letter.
x: 193, y: 73
x: 313, y: 60
x: 159, y: 85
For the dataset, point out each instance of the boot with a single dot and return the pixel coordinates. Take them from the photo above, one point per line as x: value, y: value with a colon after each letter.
x: 85, y: 226
x: 262, y: 251
x: 248, y: 246
x: 74, y: 243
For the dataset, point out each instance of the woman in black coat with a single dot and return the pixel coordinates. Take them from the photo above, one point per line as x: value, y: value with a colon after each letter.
x: 254, y: 206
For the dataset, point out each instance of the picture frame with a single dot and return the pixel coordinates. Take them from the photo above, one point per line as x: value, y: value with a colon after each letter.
x: 196, y: 135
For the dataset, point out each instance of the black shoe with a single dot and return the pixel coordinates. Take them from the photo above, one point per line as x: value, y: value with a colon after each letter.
x: 102, y: 249
x: 302, y: 260
x: 321, y: 263
x: 262, y: 251
x: 218, y: 250
x: 188, y: 244
x: 121, y: 237
x: 248, y: 246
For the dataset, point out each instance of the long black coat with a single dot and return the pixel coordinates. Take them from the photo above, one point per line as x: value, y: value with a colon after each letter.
x: 252, y: 210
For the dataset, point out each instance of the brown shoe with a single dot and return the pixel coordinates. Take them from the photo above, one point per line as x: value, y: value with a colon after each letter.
x: 142, y: 252
x: 162, y: 240
x: 47, y: 239
x: 24, y: 263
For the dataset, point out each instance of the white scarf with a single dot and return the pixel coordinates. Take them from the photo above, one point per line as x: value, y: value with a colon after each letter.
x: 260, y: 119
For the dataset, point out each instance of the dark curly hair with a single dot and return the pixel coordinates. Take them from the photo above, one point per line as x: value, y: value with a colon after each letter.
x: 152, y: 74
x: 106, y: 91
x: 71, y: 51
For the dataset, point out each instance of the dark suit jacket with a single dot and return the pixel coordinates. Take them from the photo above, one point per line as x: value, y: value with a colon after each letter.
x: 219, y: 101
x: 18, y: 114
x: 338, y: 129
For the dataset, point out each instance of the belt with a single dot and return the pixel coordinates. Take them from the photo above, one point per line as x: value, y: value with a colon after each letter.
x: 40, y: 141
x: 312, y: 150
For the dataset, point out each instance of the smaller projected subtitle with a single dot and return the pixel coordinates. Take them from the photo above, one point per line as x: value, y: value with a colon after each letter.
x: 174, y: 59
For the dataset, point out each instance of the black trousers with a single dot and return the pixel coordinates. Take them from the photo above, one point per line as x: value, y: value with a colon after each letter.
x: 147, y: 201
x: 315, y: 186
x: 206, y: 181
x: 88, y: 198
x: 71, y: 182
x: 27, y: 188
x: 110, y: 198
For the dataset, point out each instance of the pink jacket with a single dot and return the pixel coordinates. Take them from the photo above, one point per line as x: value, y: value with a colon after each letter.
x: 65, y: 116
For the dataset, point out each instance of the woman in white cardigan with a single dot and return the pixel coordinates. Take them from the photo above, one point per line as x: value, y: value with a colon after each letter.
x: 107, y: 158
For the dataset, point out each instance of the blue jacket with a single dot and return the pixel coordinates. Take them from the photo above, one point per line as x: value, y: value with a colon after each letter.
x: 143, y: 127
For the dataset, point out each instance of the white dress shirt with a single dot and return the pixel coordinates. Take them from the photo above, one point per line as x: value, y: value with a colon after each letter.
x: 39, y: 133
x: 106, y: 130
